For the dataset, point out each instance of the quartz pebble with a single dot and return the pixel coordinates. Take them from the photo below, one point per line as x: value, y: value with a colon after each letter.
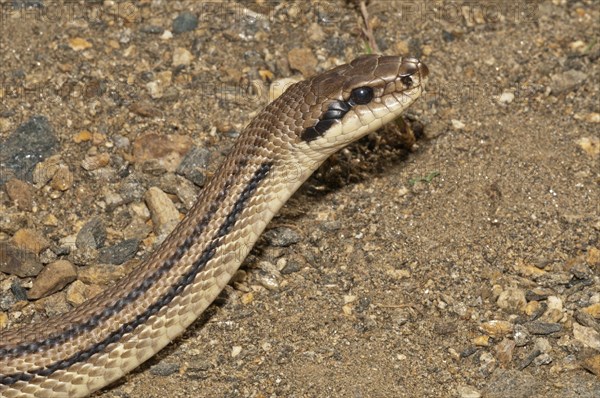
x: 165, y: 216
x: 468, y: 392
x: 587, y: 336
x: 497, y: 328
x: 512, y: 300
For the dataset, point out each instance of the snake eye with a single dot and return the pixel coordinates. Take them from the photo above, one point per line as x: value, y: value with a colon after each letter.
x: 361, y: 95
x: 407, y: 81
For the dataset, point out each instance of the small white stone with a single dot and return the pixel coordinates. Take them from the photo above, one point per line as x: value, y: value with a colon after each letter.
x: 182, y: 56
x: 457, y: 124
x: 155, y: 89
x: 468, y: 392
x: 554, y: 302
x: 506, y: 97
x: 543, y: 345
x: 235, y: 351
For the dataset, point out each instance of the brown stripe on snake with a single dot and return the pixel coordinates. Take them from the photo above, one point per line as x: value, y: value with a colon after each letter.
x: 175, y: 290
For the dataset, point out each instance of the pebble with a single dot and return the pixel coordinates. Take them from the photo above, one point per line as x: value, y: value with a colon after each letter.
x: 592, y: 310
x: 282, y: 237
x: 196, y: 160
x: 92, y: 235
x: 3, y: 320
x: 235, y: 351
x: 543, y: 328
x: 554, y: 311
x: 20, y: 192
x: 581, y: 271
x: 18, y: 291
x: 95, y: 162
x: 137, y: 229
x: 101, y: 274
x: 467, y: 352
x: 30, y: 240
x: 291, y: 266
x: 512, y: 299
x: 164, y: 369
x: 529, y: 270
x: 132, y: 191
x: 53, y: 305
x: 182, y: 56
x: 53, y: 278
x: 119, y: 253
x: 303, y: 60
x: 62, y: 179
x: 586, y: 336
x: 184, y: 189
x: 247, y: 298
x: 521, y: 336
x: 316, y: 33
x: 543, y: 345
x: 19, y: 262
x: 79, y: 44
x: 482, y: 341
x: 542, y: 359
x: 590, y: 145
x: 31, y: 143
x: 155, y: 89
x: 592, y: 363
x: 468, y: 392
x: 488, y: 363
x: 44, y: 171
x: 184, y: 22
x: 457, y: 124
x: 152, y: 29
x: 504, y: 351
x: 163, y: 212
x: 497, y: 328
x: 79, y: 292
x: 268, y: 281
x: 506, y: 98
x: 162, y: 151
x: 143, y: 109
x: 529, y: 359
x: 566, y: 81
x: 533, y: 308
x: 538, y: 294
x: 402, y: 47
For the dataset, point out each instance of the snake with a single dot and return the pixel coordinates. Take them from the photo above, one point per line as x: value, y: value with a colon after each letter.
x: 109, y: 335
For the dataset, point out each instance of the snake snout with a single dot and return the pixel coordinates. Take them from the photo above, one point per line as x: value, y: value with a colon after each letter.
x: 411, y: 66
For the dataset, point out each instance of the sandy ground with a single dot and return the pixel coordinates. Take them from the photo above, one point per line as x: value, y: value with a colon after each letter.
x: 401, y: 267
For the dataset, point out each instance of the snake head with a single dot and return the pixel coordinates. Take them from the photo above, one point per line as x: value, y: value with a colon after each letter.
x: 352, y: 100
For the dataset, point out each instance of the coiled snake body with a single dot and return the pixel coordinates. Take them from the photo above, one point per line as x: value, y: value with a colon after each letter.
x: 111, y: 334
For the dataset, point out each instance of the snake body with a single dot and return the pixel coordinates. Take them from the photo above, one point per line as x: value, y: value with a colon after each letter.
x: 113, y: 333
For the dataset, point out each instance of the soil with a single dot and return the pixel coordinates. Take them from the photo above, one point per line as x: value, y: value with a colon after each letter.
x: 404, y: 259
